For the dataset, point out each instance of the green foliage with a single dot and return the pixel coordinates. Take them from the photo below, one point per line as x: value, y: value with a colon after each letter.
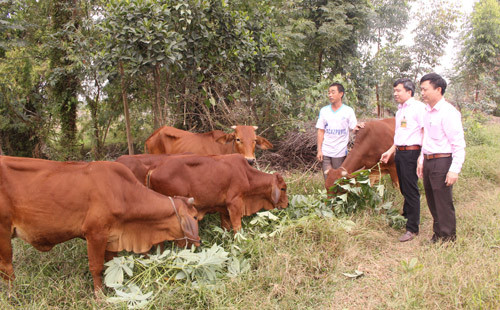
x: 477, y: 81
x: 436, y: 23
x: 411, y: 266
x: 355, y: 194
x: 473, y: 128
x: 129, y: 275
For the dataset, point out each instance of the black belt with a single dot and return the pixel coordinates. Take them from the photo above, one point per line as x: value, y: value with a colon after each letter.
x: 438, y: 155
x: 408, y: 147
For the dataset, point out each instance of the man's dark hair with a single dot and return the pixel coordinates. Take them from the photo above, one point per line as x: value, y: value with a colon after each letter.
x: 407, y: 84
x: 435, y: 80
x: 340, y: 88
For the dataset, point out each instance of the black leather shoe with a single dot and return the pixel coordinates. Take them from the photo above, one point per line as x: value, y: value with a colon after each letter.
x: 434, y: 238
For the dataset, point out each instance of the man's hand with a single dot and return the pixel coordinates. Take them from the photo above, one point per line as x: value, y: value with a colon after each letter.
x: 359, y: 126
x: 319, y: 156
x: 420, y: 170
x: 451, y: 178
x: 385, y: 157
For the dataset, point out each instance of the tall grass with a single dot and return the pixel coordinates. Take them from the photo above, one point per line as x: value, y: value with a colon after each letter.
x: 307, y: 264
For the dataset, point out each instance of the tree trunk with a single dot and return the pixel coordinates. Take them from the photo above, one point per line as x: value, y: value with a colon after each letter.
x: 157, y: 104
x: 378, y: 100
x: 126, y: 110
x: 320, y: 64
x: 165, y: 110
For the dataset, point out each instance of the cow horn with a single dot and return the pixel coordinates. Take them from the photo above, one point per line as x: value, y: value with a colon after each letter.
x: 344, y: 173
x: 190, y: 201
x: 326, y: 171
x: 233, y: 127
x: 255, y: 127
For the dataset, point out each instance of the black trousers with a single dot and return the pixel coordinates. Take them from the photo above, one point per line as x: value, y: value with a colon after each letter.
x: 406, y: 166
x: 440, y: 197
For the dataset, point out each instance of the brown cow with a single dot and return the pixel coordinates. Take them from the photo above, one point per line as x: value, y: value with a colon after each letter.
x: 220, y: 183
x: 140, y: 164
x: 46, y: 202
x: 170, y: 140
x: 370, y: 142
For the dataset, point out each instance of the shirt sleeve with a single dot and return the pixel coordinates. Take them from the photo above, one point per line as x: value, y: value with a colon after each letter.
x: 320, y: 124
x: 420, y: 115
x: 352, y: 121
x: 455, y: 134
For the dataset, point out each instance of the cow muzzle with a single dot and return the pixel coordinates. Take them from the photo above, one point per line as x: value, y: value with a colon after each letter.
x: 251, y: 161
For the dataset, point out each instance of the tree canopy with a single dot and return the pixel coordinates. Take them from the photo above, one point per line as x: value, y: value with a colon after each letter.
x: 85, y: 74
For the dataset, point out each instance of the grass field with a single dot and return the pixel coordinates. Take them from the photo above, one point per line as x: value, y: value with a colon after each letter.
x: 312, y: 263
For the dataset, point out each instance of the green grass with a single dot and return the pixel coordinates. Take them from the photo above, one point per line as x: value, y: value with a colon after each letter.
x: 303, y: 267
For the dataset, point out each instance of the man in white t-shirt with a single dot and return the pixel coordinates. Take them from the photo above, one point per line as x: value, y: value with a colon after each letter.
x: 335, y: 122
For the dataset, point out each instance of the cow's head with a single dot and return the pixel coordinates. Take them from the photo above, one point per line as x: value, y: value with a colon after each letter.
x: 279, y: 195
x: 245, y: 140
x: 188, y: 233
x: 333, y: 175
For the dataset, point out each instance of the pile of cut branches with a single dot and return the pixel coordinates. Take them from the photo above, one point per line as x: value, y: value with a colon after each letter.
x: 296, y: 150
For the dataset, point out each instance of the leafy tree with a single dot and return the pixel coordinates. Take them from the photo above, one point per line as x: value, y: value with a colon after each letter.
x: 319, y: 38
x: 436, y: 22
x: 480, y: 57
x: 25, y: 115
x: 391, y: 60
x: 64, y: 77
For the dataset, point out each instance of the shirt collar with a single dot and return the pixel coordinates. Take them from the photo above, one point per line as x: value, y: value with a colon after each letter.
x: 437, y: 106
x: 406, y: 103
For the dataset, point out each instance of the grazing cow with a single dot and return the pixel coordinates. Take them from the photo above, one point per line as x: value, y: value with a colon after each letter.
x: 370, y: 142
x: 46, y: 202
x: 140, y: 164
x: 219, y: 183
x: 170, y: 140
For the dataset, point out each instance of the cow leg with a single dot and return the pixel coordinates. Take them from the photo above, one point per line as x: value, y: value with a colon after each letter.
x: 96, y: 249
x: 235, y: 208
x: 6, y: 268
x: 394, y: 175
x: 108, y: 255
x: 225, y: 221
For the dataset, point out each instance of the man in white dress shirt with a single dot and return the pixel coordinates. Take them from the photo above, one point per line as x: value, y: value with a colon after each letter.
x: 443, y: 154
x: 407, y: 145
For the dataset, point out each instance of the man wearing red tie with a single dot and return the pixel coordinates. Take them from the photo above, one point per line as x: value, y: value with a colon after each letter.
x: 443, y: 153
x: 407, y: 144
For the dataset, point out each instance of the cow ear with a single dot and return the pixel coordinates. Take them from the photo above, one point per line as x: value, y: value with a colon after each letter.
x: 263, y: 143
x: 225, y: 138
x: 276, y: 194
x: 190, y: 227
